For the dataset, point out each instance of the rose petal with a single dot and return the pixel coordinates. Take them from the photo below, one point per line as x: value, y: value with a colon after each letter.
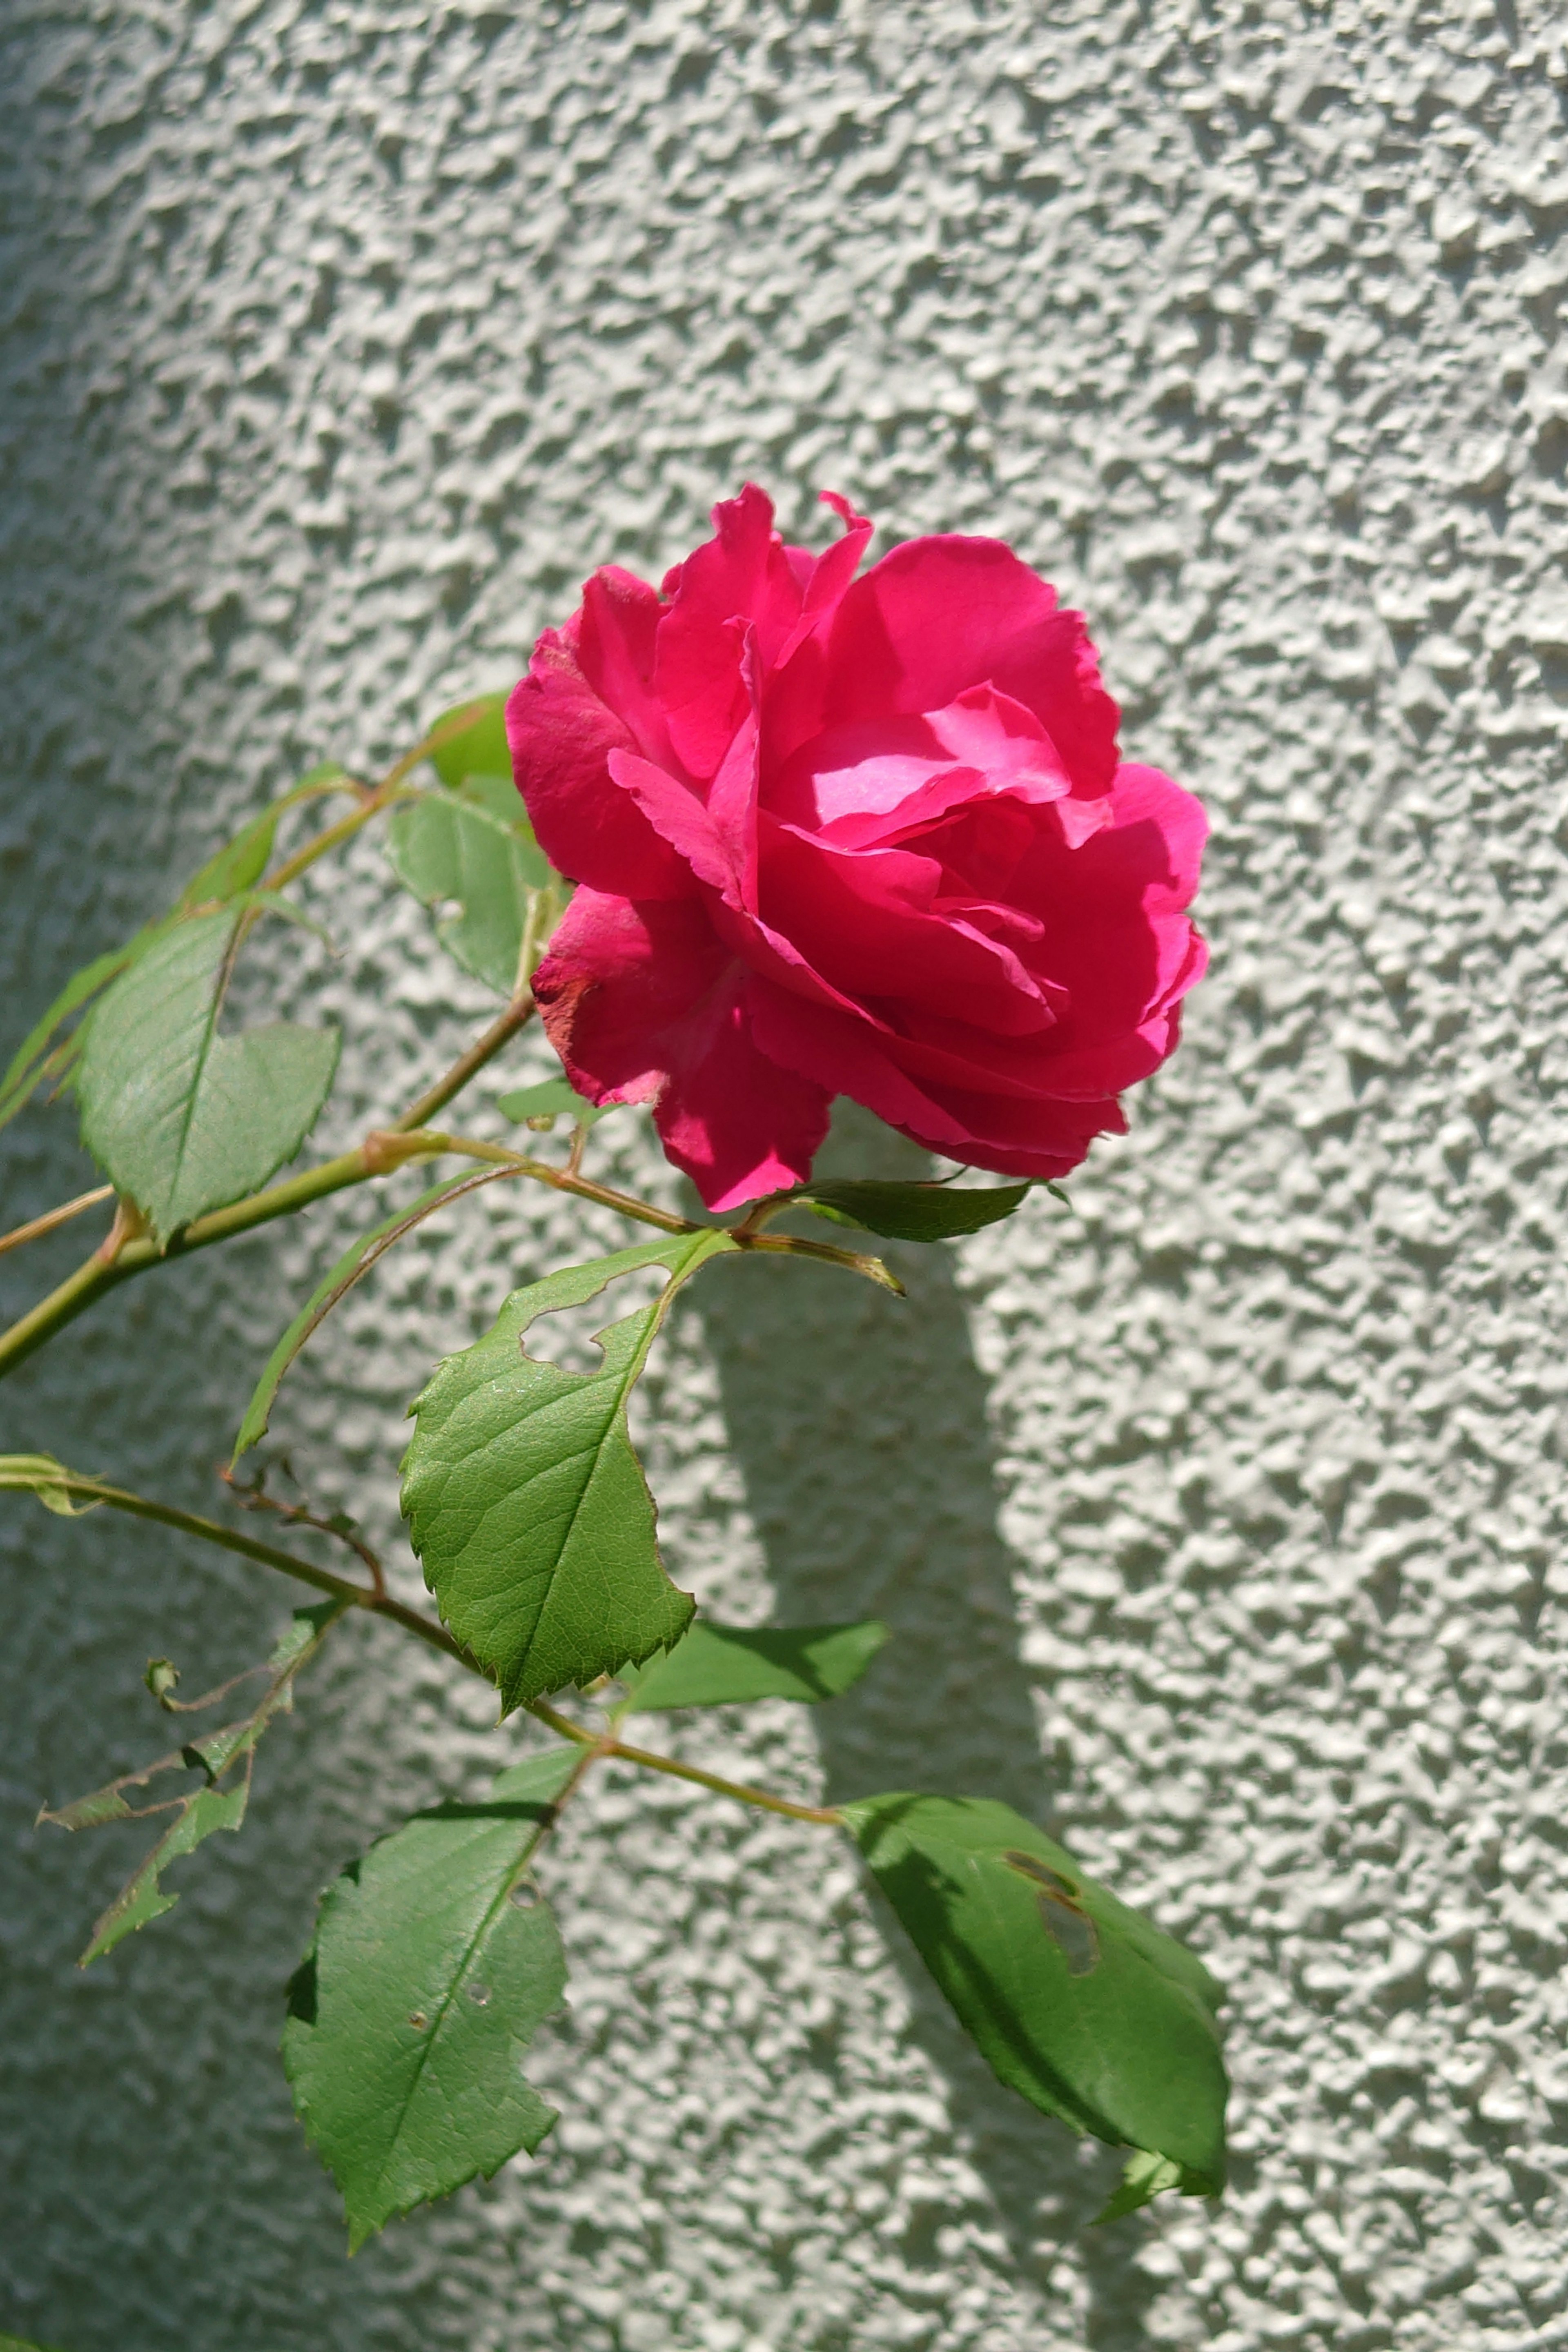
x: 646, y: 1003
x: 561, y: 736
x: 941, y: 614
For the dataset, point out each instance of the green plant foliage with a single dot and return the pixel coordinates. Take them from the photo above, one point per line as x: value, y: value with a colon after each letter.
x: 525, y: 1501
x: 41, y: 1474
x: 552, y: 1098
x: 356, y: 1261
x: 20, y: 2343
x: 434, y: 1963
x: 204, y: 1810
x: 477, y: 749
x: 1146, y: 2177
x: 723, y: 1665
x: 912, y: 1213
x: 1075, y: 2001
x: 239, y: 865
x: 471, y: 853
x: 181, y: 1118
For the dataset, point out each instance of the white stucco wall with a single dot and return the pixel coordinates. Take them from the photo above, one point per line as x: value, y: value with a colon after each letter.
x: 1220, y: 1520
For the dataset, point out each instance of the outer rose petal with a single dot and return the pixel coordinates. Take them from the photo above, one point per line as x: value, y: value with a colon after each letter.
x: 646, y: 1003
x: 941, y: 614
x: 562, y: 736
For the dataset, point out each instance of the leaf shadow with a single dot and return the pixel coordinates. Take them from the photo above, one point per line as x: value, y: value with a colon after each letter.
x: 860, y: 1422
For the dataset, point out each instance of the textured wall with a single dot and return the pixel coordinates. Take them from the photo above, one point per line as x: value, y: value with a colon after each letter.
x: 339, y: 342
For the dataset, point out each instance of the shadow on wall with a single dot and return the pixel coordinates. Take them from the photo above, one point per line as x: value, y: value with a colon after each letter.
x: 860, y: 1422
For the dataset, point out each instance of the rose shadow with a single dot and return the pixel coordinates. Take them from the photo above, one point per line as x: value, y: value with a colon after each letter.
x: 860, y: 1422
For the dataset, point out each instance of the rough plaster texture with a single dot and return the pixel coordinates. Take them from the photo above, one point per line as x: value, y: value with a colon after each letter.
x: 1220, y: 1519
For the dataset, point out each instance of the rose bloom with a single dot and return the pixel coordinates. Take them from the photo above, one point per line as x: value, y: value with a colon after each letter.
x: 850, y: 837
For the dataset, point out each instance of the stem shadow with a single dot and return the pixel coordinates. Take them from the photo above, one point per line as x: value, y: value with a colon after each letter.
x: 860, y: 1422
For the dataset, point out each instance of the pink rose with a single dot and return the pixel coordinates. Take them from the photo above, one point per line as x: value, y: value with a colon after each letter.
x: 850, y: 837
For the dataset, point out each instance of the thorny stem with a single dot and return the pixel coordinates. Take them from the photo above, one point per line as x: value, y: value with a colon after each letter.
x: 382, y: 1605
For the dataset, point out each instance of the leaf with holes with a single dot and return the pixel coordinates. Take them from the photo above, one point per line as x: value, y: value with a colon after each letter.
x: 205, y: 1811
x: 409, y: 2020
x: 1075, y: 2001
x: 913, y: 1213
x: 183, y: 1118
x: 725, y: 1666
x: 525, y: 1501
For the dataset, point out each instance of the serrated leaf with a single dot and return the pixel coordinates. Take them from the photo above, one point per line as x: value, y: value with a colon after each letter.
x: 552, y: 1098
x: 410, y: 2018
x: 525, y: 1501
x: 355, y: 1262
x: 183, y: 1118
x: 478, y: 748
x: 199, y: 1814
x: 912, y: 1213
x: 232, y: 870
x: 473, y: 848
x: 725, y: 1666
x: 1074, y: 2000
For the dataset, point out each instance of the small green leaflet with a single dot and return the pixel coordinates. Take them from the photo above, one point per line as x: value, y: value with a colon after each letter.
x: 181, y: 1118
x: 1075, y: 2001
x: 41, y: 1474
x: 478, y: 748
x: 433, y: 1966
x: 205, y: 1809
x: 355, y: 1261
x: 20, y: 2344
x: 1146, y: 2177
x: 473, y: 848
x: 552, y: 1098
x: 239, y: 864
x: 525, y: 1501
x: 912, y: 1213
x: 723, y: 1665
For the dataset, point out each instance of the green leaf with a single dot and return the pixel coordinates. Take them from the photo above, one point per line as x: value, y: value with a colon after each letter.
x: 1075, y: 2001
x: 41, y: 1474
x: 204, y: 1810
x: 552, y: 1098
x: 428, y: 1979
x: 525, y: 1501
x: 478, y: 748
x: 20, y: 2344
x: 723, y: 1665
x: 1146, y: 2177
x: 912, y: 1213
x: 237, y: 864
x: 183, y: 1119
x: 474, y: 848
x: 235, y: 867
x: 28, y: 1064
x: 355, y: 1262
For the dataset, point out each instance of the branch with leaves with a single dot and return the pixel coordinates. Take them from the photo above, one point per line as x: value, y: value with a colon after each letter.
x: 436, y: 1954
